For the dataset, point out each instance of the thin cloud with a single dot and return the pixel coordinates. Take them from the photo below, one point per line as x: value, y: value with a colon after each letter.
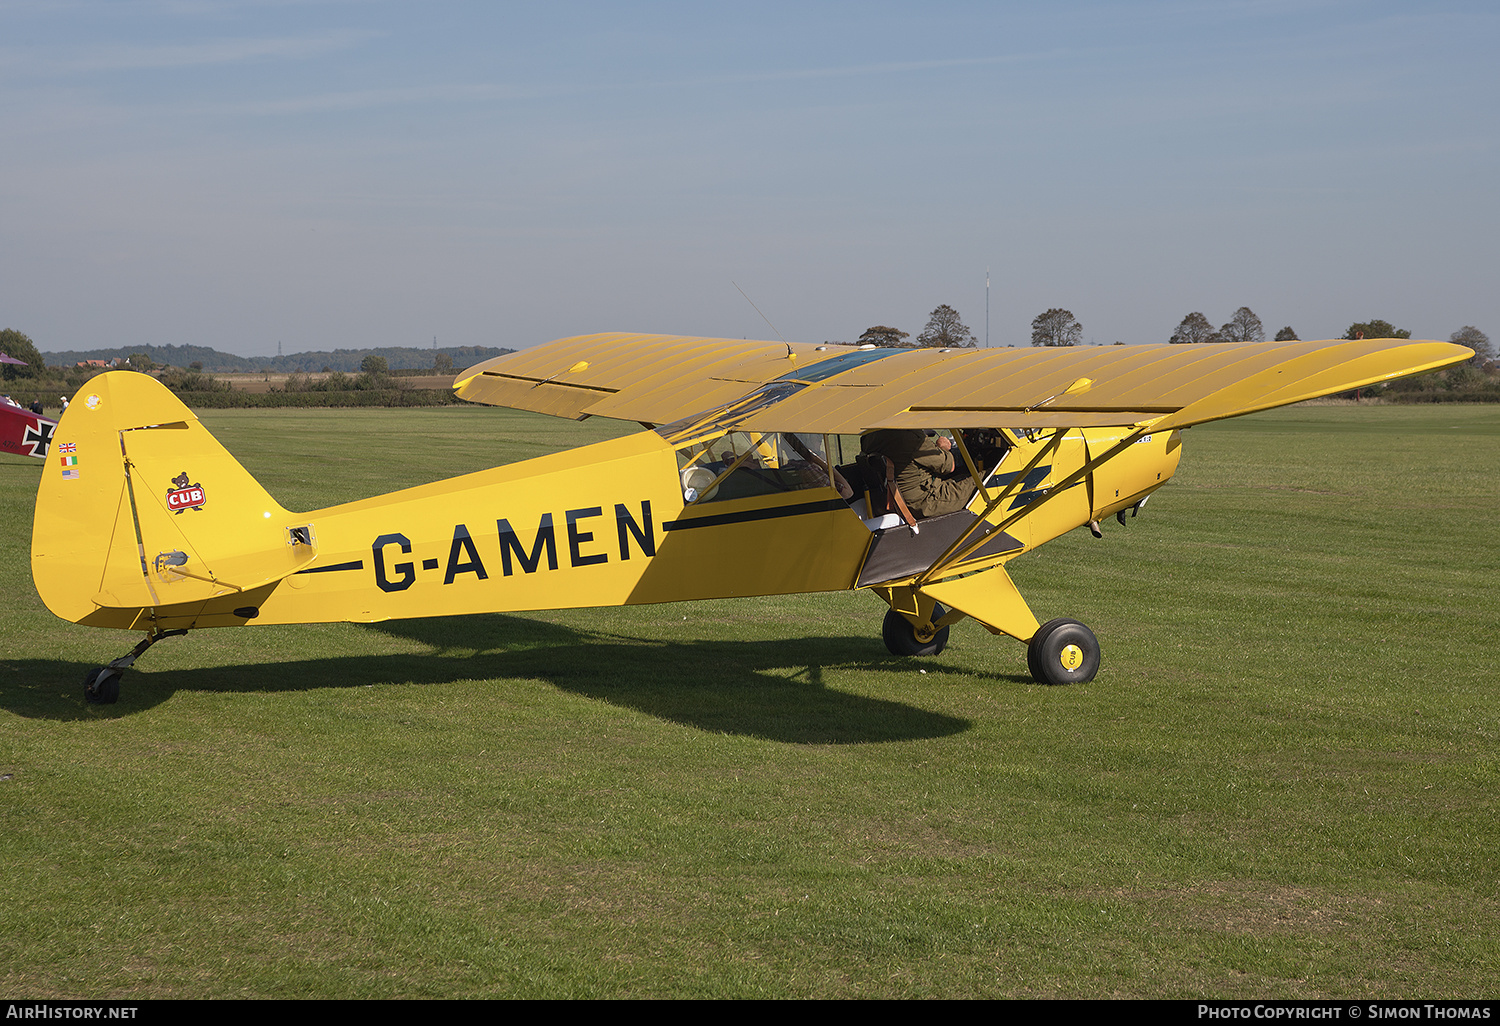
x: 495, y: 92
x: 485, y: 92
x: 130, y: 57
x: 360, y: 99
x: 889, y: 68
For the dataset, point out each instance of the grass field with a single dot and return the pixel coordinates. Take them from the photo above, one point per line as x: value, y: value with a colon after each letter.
x: 1282, y: 784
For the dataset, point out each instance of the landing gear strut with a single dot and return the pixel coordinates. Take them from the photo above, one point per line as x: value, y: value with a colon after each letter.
x: 102, y: 685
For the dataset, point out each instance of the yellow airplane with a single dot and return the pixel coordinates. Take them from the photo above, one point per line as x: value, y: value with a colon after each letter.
x: 748, y: 480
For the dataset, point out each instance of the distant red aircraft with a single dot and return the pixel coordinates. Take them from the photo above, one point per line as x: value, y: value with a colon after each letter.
x: 23, y: 433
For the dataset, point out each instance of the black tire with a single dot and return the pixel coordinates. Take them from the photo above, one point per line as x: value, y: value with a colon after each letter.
x: 102, y: 686
x: 901, y: 637
x: 1063, y: 651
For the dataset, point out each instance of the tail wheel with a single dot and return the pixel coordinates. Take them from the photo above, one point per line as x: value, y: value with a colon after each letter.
x: 902, y: 638
x: 102, y: 686
x: 1063, y: 651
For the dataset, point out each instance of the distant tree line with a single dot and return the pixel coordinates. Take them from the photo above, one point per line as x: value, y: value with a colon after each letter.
x: 375, y: 372
x: 1244, y: 326
x: 945, y: 330
x: 347, y: 360
x: 374, y: 375
x: 18, y: 346
x: 1476, y: 380
x: 1056, y: 327
x: 187, y: 370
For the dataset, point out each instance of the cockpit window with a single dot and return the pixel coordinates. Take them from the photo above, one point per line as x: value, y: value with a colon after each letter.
x: 721, y: 418
x: 826, y: 369
x: 741, y: 464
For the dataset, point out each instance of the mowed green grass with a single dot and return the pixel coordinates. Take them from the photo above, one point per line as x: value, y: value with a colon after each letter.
x: 1282, y: 783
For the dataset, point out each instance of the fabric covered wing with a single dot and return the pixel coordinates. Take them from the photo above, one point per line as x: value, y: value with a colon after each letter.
x: 648, y: 378
x: 656, y: 379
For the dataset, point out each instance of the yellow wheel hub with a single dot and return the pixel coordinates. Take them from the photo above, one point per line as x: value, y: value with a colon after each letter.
x: 1071, y: 657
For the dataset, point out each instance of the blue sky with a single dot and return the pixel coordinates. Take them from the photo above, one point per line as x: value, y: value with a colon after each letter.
x: 346, y: 173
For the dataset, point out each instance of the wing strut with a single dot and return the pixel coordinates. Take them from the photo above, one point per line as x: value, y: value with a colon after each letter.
x: 963, y: 548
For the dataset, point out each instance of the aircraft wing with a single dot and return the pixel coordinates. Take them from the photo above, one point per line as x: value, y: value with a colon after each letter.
x: 831, y: 389
x: 617, y: 374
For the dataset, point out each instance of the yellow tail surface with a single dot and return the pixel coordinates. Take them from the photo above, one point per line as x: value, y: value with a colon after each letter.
x: 140, y: 507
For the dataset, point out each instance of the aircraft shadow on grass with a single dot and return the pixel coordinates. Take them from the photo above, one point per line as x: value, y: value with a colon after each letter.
x: 768, y: 689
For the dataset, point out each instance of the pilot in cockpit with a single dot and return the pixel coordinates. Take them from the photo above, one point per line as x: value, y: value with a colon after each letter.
x: 927, y: 475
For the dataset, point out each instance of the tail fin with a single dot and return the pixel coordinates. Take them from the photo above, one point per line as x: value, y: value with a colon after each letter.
x: 141, y: 508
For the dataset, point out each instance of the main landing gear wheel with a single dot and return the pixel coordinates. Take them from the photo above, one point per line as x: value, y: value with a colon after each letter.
x: 102, y: 685
x: 903, y: 639
x: 1063, y: 651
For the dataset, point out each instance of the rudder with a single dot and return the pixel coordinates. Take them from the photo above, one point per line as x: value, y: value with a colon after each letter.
x: 140, y: 508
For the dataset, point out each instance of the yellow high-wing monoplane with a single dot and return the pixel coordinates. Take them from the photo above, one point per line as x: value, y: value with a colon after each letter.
x: 746, y: 481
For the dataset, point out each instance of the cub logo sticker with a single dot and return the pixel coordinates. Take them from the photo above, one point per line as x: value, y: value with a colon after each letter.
x: 184, y: 495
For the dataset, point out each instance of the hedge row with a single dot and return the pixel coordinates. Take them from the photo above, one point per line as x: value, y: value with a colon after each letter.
x: 1476, y: 396
x: 270, y: 400
x: 403, y: 397
x: 278, y: 400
